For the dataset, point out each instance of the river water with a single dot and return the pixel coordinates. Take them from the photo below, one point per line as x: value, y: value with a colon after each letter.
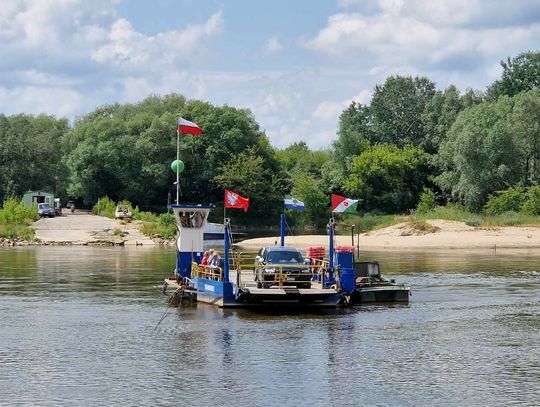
x: 77, y: 327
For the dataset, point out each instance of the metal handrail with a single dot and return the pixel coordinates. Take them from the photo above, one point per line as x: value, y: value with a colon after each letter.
x: 205, y: 271
x: 281, y: 276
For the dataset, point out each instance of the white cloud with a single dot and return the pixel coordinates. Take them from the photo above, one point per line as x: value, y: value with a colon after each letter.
x: 66, y: 57
x: 419, y: 35
x: 363, y: 97
x: 70, y: 48
x: 128, y: 48
x: 67, y: 35
x: 273, y: 45
x: 59, y: 101
x: 327, y: 110
x: 391, y: 7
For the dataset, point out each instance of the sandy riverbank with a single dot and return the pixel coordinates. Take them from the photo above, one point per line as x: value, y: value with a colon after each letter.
x: 84, y: 229
x: 444, y: 235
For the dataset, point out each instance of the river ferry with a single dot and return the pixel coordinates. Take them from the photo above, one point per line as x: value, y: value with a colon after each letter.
x: 233, y: 282
x: 248, y: 280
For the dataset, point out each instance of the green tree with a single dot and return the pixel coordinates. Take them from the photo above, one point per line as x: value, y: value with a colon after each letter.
x: 397, y: 108
x: 248, y: 175
x: 309, y: 190
x: 441, y: 112
x: 387, y: 178
x: 354, y: 133
x: 227, y: 133
x: 481, y: 154
x: 520, y: 74
x: 427, y: 201
x: 525, y: 125
x: 511, y: 199
x: 30, y: 154
x: 125, y: 151
x: 531, y: 206
x: 298, y: 156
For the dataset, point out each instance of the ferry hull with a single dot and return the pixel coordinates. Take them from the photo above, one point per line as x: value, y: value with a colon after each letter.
x: 380, y: 294
x: 289, y: 297
x: 260, y: 298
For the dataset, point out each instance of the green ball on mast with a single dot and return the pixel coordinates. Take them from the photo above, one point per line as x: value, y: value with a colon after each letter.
x: 177, y: 166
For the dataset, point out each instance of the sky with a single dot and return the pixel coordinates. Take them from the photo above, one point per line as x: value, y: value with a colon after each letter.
x: 296, y: 64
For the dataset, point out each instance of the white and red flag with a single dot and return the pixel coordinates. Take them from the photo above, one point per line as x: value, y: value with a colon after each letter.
x: 341, y: 204
x: 187, y: 127
x: 233, y: 200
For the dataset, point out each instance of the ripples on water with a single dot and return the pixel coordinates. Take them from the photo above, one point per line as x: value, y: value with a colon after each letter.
x: 77, y: 327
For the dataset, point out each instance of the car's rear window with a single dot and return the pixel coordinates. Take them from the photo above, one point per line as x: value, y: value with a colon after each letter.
x: 44, y: 206
x: 285, y: 257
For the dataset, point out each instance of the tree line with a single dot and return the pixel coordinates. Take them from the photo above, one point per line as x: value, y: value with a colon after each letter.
x: 411, y: 138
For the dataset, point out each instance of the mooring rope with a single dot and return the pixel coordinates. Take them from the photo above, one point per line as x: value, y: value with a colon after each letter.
x: 170, y: 302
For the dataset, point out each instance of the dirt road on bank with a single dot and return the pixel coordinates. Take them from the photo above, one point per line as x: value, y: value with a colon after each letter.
x: 82, y: 228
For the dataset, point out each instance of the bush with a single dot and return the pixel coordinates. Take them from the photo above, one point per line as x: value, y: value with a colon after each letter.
x: 166, y: 219
x: 104, y: 207
x: 13, y: 231
x: 145, y: 216
x: 531, y: 206
x: 427, y: 202
x: 163, y: 225
x: 149, y: 229
x: 14, y: 212
x: 510, y: 200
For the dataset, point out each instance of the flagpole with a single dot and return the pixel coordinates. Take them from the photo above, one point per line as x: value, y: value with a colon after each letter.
x: 282, y: 228
x: 177, y: 165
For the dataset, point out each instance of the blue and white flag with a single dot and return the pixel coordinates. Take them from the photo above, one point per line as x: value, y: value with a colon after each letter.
x: 293, y: 203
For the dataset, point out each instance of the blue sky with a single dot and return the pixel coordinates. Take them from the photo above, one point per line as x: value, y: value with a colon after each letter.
x: 295, y: 64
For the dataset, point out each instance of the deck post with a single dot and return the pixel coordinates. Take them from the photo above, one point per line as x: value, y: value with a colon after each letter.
x: 227, y: 287
x: 331, y: 243
x: 226, y: 230
x: 282, y: 229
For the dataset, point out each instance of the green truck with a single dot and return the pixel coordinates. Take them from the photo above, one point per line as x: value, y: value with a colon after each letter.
x: 33, y: 198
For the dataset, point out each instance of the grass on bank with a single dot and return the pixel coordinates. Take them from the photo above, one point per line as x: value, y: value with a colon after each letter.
x: 15, y: 220
x: 450, y: 212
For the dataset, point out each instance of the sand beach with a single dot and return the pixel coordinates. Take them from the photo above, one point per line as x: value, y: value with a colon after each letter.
x: 443, y: 234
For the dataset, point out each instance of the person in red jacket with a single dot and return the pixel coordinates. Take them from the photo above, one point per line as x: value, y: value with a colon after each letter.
x: 204, y: 260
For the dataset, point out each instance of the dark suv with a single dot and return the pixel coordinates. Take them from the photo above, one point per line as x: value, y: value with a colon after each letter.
x: 272, y: 260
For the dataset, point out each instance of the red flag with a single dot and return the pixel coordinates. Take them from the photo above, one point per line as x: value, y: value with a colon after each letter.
x: 233, y: 200
x: 341, y: 204
x: 187, y: 127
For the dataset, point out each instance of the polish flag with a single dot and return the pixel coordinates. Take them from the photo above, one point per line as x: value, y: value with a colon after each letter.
x: 340, y: 204
x: 233, y: 200
x: 187, y: 127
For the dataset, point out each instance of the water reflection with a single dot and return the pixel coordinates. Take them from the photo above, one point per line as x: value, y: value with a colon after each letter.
x: 78, y: 324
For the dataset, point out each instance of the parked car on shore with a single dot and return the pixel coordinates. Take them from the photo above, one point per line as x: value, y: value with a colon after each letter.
x: 123, y: 212
x: 44, y: 209
x: 273, y: 263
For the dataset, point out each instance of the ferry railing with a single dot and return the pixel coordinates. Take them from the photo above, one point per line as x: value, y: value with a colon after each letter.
x: 290, y: 275
x: 246, y: 268
x: 244, y: 260
x: 208, y: 272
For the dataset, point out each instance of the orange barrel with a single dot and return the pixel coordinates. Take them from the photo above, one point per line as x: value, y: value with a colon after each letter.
x: 316, y: 252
